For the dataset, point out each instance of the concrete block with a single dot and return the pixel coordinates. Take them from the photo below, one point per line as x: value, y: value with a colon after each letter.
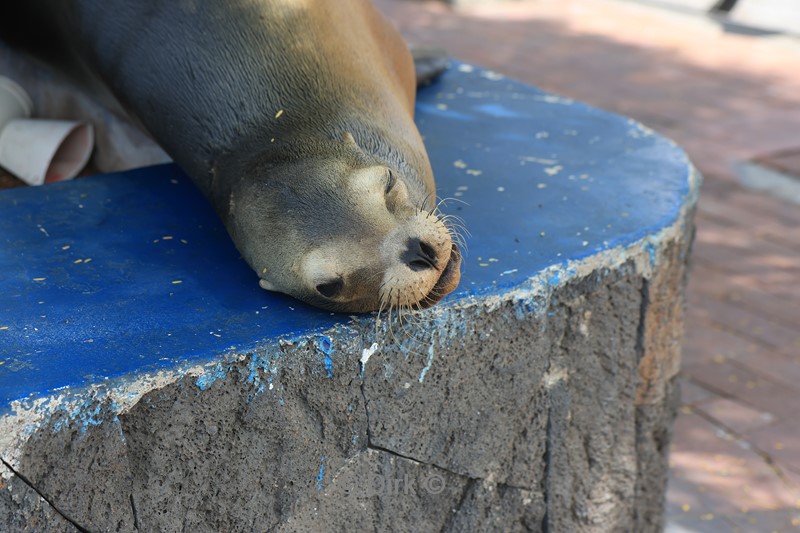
x: 147, y: 384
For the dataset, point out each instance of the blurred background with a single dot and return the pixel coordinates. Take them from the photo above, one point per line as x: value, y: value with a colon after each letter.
x: 725, y: 85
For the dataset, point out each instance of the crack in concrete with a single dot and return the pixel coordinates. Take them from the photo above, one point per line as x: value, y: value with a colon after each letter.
x: 765, y: 456
x: 135, y: 514
x: 717, y: 424
x: 471, y: 480
x: 46, y: 499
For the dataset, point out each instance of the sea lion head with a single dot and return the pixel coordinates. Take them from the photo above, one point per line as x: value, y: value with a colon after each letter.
x: 344, y: 231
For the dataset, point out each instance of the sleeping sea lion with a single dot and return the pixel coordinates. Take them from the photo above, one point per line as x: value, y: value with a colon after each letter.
x: 295, y: 119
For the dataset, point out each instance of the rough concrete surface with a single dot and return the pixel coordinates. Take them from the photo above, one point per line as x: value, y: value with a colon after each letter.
x: 535, y: 411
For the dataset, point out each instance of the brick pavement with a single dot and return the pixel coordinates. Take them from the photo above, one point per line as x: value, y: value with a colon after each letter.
x: 735, y: 458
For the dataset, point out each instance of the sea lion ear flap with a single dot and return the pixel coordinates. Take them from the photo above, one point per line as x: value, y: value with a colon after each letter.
x: 348, y: 138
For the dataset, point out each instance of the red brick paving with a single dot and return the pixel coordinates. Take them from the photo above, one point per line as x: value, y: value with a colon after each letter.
x: 725, y: 98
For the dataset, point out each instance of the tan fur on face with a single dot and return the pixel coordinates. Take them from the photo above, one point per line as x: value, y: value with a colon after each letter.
x: 373, y: 272
x: 372, y: 268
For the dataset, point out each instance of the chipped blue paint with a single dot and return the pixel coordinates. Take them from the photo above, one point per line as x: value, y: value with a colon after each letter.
x: 329, y: 366
x: 526, y: 307
x: 208, y: 378
x: 160, y: 303
x: 82, y: 416
x: 320, y: 485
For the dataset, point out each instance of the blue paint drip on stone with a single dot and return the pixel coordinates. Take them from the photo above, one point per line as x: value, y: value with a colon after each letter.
x: 320, y: 485
x: 325, y: 346
x: 651, y: 249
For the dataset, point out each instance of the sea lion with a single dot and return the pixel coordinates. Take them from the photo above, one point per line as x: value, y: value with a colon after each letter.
x: 295, y: 119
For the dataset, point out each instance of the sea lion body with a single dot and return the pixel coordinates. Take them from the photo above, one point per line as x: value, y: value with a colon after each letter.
x: 295, y: 118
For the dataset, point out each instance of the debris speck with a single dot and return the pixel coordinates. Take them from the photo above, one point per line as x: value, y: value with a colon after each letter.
x: 167, y: 237
x: 541, y: 186
x: 77, y: 261
x: 542, y: 135
x: 279, y: 113
x: 501, y: 189
x: 177, y: 282
x: 39, y: 279
x: 459, y: 164
x: 466, y: 68
x: 530, y: 159
x: 552, y: 171
x: 473, y: 172
x: 65, y: 247
x: 441, y: 107
x: 3, y: 328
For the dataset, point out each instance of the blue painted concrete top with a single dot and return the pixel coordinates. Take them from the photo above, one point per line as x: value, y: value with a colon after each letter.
x: 116, y: 274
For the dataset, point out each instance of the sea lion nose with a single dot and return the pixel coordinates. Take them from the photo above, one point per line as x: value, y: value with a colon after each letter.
x: 418, y: 255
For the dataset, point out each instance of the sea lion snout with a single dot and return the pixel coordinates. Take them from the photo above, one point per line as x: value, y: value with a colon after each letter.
x: 419, y: 255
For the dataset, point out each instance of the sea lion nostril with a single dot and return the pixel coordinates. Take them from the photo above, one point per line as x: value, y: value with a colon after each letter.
x: 331, y: 288
x: 419, y: 255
